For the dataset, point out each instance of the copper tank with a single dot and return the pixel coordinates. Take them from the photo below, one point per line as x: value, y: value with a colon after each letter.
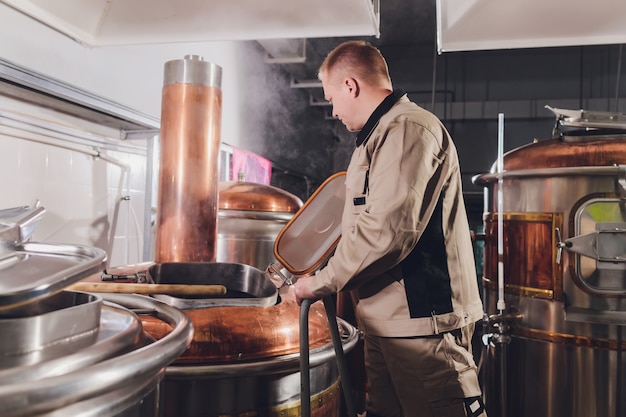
x: 191, y: 112
x: 244, y: 357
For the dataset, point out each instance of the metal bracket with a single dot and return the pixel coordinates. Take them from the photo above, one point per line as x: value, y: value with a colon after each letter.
x: 560, y: 245
x: 278, y: 278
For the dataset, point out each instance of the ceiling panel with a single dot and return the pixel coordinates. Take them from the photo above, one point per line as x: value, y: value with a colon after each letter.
x: 464, y: 25
x: 122, y: 22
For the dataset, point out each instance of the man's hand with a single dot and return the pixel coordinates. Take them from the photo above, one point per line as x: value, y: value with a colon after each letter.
x: 302, y: 291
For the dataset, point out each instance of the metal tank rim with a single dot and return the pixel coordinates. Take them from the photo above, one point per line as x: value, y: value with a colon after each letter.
x: 275, y: 365
x: 615, y: 170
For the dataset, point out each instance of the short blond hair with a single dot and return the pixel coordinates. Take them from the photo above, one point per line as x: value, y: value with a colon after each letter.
x: 357, y: 59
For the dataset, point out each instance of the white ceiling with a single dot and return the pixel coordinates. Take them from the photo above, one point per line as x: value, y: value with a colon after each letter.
x: 464, y: 25
x: 120, y: 22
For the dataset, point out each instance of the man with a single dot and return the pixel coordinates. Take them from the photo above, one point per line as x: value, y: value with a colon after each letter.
x: 405, y: 251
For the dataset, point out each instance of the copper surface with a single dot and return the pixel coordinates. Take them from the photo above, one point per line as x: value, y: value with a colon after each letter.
x: 188, y: 178
x: 235, y: 195
x: 234, y: 334
x: 554, y: 153
x: 528, y: 254
x: 239, y: 333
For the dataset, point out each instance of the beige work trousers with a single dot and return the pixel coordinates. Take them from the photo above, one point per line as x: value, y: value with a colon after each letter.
x: 428, y: 376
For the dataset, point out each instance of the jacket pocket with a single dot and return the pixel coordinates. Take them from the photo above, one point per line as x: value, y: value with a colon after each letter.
x: 357, y: 183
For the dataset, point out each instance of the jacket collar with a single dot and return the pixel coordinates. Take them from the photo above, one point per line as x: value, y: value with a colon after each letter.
x: 381, y: 110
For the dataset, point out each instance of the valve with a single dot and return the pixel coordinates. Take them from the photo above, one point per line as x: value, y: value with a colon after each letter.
x: 496, y: 327
x: 560, y: 245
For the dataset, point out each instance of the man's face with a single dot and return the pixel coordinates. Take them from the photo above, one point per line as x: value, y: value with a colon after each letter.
x: 340, y: 93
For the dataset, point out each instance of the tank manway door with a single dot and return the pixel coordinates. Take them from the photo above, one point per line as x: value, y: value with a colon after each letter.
x: 598, y: 249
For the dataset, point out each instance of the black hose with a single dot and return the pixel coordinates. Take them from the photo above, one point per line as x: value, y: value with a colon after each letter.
x: 305, y: 382
x: 346, y: 383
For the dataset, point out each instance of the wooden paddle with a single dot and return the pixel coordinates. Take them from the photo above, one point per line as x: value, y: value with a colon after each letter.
x: 131, y: 288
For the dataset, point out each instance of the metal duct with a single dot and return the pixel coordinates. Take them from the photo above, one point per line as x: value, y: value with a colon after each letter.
x: 189, y: 154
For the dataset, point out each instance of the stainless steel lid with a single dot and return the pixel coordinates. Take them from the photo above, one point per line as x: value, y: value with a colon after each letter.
x: 589, y: 119
x: 31, y: 271
x: 34, y: 271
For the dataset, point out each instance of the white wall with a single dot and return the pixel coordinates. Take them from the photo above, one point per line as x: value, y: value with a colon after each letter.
x: 131, y: 75
x: 94, y: 191
x: 90, y: 200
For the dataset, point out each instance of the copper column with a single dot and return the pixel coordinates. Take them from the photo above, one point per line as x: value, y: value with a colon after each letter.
x: 187, y: 207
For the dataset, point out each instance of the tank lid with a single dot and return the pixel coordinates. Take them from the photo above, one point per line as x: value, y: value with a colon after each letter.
x: 234, y: 331
x: 589, y: 119
x: 31, y: 271
x: 250, y: 196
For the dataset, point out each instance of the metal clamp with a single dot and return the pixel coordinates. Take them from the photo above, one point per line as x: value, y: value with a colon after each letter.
x: 278, y: 279
x: 139, y: 277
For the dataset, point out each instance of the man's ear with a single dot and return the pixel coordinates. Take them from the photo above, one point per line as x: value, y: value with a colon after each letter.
x: 353, y: 86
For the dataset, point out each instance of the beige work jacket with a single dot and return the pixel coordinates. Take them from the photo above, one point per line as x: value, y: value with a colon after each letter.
x: 407, y: 278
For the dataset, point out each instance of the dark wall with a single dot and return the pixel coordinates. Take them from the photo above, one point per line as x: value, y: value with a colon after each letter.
x: 281, y: 126
x: 470, y: 89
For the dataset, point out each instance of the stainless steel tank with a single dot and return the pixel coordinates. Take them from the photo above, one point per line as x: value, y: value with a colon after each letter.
x: 558, y: 348
x: 249, y: 219
x: 68, y: 353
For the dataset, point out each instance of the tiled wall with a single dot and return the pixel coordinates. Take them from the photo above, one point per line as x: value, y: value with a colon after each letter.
x: 89, y: 200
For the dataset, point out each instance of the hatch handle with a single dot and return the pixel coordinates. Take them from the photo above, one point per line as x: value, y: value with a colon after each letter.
x: 18, y: 224
x: 603, y: 245
x: 560, y: 245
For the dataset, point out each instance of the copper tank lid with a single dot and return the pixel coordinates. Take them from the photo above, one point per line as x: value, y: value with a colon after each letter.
x: 562, y: 153
x: 580, y: 138
x: 250, y: 196
x: 234, y: 334
x: 239, y: 334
